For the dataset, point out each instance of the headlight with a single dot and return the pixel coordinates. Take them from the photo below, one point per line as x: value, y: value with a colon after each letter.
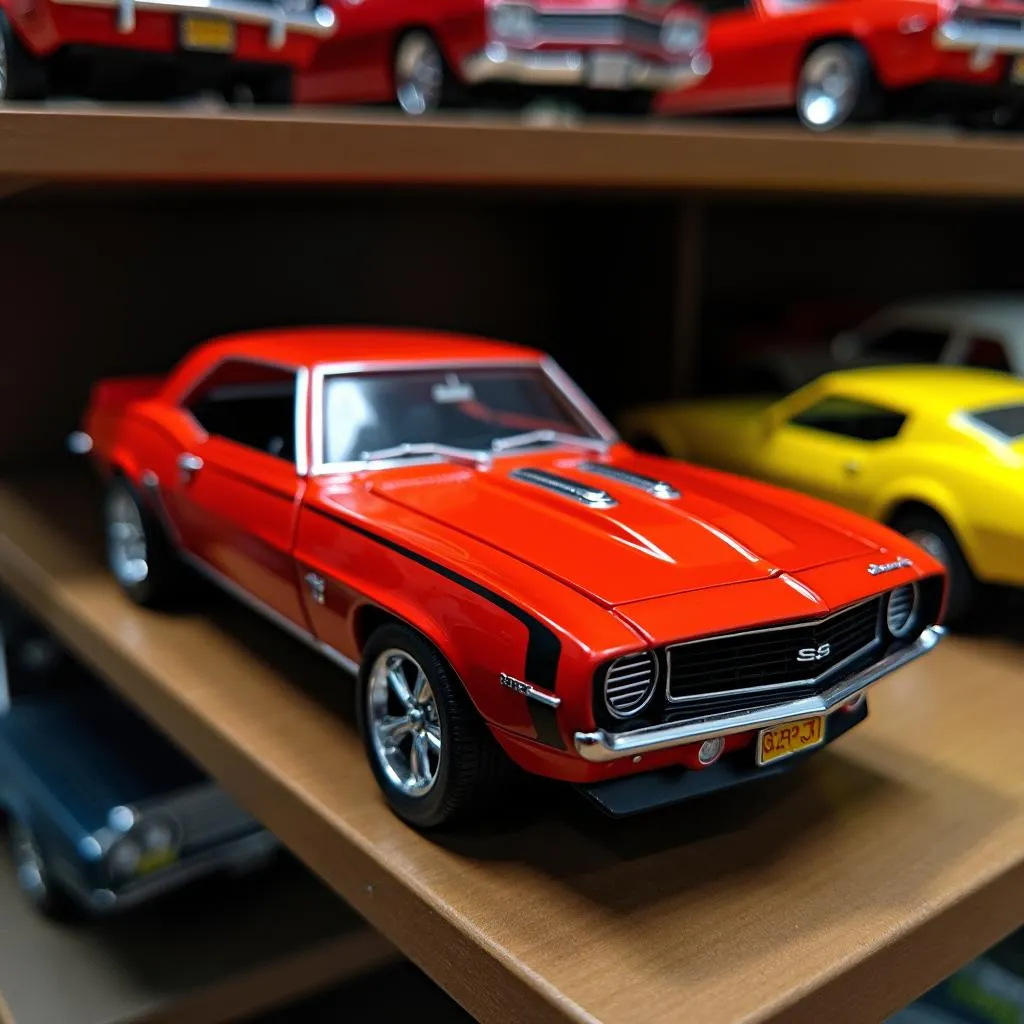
x: 513, y: 22
x: 158, y: 835
x: 124, y: 856
x: 901, y: 610
x: 629, y: 683
x: 682, y: 35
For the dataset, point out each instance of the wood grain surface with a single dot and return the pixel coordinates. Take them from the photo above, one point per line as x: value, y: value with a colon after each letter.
x: 836, y: 893
x: 83, y: 144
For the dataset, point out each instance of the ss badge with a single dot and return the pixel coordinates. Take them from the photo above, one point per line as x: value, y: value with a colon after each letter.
x: 814, y: 653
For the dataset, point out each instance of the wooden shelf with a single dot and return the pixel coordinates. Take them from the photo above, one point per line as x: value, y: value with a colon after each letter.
x: 836, y: 893
x: 211, y: 954
x: 96, y: 144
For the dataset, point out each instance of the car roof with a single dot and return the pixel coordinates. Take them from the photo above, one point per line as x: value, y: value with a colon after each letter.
x: 315, y: 346
x: 1005, y: 311
x: 923, y: 389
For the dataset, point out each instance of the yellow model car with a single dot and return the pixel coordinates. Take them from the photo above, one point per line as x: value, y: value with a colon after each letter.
x: 935, y: 451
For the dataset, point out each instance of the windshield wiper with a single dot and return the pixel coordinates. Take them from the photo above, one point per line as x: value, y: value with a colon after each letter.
x: 502, y: 444
x: 446, y: 451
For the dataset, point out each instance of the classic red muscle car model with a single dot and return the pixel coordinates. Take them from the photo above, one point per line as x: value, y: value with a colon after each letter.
x: 131, y: 48
x: 837, y: 60
x: 424, y: 55
x: 456, y: 519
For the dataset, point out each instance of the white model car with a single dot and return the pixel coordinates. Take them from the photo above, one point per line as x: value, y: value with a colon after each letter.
x: 965, y: 330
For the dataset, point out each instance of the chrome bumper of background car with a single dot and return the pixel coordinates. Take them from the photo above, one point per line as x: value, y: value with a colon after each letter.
x: 965, y: 36
x: 607, y: 746
x: 320, y: 21
x: 596, y: 70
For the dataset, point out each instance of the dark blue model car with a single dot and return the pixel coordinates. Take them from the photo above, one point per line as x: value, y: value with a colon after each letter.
x: 102, y: 812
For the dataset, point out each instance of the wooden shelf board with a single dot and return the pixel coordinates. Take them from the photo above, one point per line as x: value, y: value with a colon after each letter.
x: 210, y: 954
x: 71, y: 143
x: 836, y: 893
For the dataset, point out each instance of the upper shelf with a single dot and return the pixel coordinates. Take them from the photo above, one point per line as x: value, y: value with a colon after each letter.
x: 836, y: 893
x: 84, y: 144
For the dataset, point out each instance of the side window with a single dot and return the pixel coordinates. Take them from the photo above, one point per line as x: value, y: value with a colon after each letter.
x: 910, y: 344
x: 988, y: 353
x: 848, y: 417
x: 248, y: 403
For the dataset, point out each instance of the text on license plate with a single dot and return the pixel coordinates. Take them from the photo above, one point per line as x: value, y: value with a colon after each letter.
x: 1017, y: 71
x: 783, y: 740
x: 214, y: 34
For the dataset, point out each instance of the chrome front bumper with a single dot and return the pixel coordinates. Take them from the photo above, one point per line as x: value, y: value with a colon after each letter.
x: 963, y: 36
x: 595, y: 69
x: 602, y: 746
x: 320, y: 22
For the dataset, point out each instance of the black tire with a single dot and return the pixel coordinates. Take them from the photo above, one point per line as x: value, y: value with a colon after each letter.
x: 929, y: 530
x: 163, y: 581
x: 836, y: 62
x: 22, y: 75
x: 273, y: 88
x: 649, y: 444
x: 471, y: 770
x: 32, y: 873
x: 422, y: 82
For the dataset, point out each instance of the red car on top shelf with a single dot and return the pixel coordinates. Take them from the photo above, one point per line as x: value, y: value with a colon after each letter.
x: 842, y: 60
x: 453, y: 520
x: 127, y: 49
x: 615, y: 54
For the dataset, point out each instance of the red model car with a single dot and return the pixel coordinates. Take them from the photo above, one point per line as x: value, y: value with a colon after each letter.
x: 147, y: 48
x: 426, y: 54
x: 455, y: 518
x: 837, y: 60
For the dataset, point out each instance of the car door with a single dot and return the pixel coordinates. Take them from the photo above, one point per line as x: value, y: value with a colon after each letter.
x: 235, y: 495
x: 831, y: 449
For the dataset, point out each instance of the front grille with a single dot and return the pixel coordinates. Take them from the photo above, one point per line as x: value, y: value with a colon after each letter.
x: 613, y: 29
x: 205, y: 814
x: 762, y: 667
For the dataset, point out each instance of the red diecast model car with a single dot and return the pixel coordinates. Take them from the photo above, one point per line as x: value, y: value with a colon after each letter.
x: 128, y: 48
x: 425, y: 55
x: 838, y: 60
x: 454, y: 520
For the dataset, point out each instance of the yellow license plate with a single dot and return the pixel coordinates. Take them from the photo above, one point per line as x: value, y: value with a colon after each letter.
x: 1017, y: 70
x: 211, y: 34
x: 774, y: 744
x: 149, y: 862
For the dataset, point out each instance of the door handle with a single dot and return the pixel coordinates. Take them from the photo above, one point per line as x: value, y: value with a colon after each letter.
x: 189, y: 465
x: 852, y: 467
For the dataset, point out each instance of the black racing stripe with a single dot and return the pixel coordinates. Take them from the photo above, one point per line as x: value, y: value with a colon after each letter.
x: 543, y: 647
x: 545, y: 724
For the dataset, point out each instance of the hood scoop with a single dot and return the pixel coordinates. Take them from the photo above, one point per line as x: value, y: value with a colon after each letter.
x: 575, y: 490
x: 648, y: 484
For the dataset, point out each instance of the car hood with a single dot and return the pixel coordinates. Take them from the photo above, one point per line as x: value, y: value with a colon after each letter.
x: 640, y: 547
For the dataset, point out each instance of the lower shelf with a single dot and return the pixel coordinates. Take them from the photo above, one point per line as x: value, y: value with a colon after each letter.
x: 211, y: 954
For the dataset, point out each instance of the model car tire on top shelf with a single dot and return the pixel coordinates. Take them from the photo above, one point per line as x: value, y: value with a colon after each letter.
x: 22, y: 76
x: 836, y: 85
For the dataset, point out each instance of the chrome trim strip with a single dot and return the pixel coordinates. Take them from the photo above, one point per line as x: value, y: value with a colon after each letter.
x: 600, y: 745
x: 962, y: 35
x: 302, y: 421
x: 648, y: 484
x: 275, y: 616
x: 592, y: 497
x: 320, y: 22
x: 528, y: 690
x: 801, y: 624
x: 497, y: 62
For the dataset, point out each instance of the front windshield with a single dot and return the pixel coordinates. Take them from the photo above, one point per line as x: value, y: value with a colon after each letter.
x: 467, y: 408
x: 1005, y: 421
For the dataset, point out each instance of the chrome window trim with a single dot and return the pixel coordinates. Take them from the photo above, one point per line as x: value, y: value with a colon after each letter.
x: 302, y: 422
x: 800, y: 624
x: 562, y: 383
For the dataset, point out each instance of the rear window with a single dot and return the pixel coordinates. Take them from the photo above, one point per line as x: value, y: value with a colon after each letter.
x: 1005, y: 420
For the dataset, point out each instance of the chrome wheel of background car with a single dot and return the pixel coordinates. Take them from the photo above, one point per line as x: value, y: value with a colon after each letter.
x: 419, y: 74
x: 29, y: 863
x: 127, y: 549
x: 404, y: 723
x: 3, y: 67
x: 829, y: 87
x: 933, y: 544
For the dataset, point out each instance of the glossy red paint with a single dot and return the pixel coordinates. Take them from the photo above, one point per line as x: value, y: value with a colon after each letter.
x: 758, y: 47
x: 357, y: 65
x: 502, y: 576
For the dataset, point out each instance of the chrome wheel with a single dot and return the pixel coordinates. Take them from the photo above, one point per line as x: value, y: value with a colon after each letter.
x: 3, y: 67
x: 419, y: 74
x: 127, y: 549
x: 29, y: 863
x: 933, y: 544
x: 829, y: 87
x: 404, y: 724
